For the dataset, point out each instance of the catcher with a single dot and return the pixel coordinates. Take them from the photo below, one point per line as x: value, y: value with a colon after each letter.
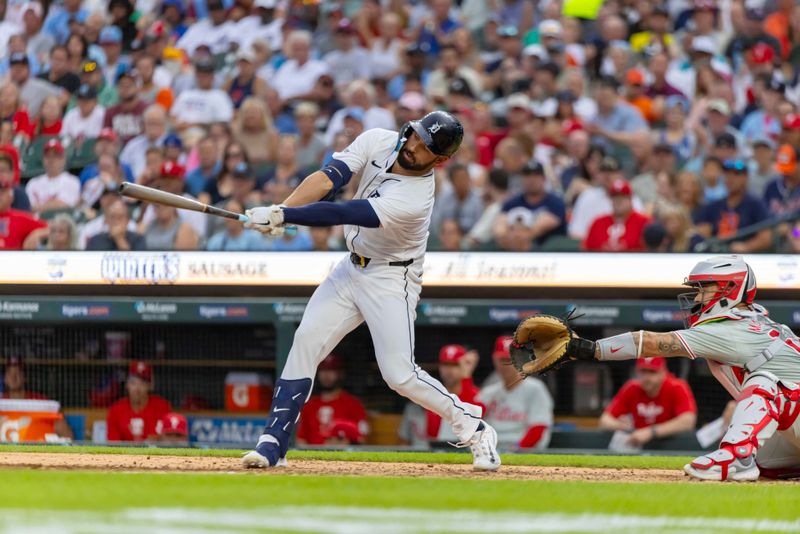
x: 756, y: 359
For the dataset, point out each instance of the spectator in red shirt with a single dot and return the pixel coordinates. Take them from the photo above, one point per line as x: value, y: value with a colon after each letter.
x: 135, y: 417
x: 173, y: 429
x: 14, y: 382
x: 654, y: 405
x: 11, y: 110
x: 456, y: 365
x: 330, y: 406
x: 623, y: 230
x: 18, y: 229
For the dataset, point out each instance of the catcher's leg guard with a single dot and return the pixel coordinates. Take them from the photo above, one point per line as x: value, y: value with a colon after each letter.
x: 288, y: 400
x: 754, y: 421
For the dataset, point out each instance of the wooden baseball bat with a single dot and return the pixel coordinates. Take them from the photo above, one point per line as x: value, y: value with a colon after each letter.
x: 149, y: 194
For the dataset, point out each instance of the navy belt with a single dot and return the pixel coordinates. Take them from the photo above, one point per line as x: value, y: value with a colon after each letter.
x: 361, y: 261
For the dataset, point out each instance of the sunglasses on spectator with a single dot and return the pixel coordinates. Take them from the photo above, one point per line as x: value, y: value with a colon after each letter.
x: 734, y: 165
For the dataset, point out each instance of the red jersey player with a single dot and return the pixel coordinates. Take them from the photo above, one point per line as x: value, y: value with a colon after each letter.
x: 332, y: 404
x: 623, y: 229
x: 135, y: 417
x: 456, y: 365
x: 658, y: 403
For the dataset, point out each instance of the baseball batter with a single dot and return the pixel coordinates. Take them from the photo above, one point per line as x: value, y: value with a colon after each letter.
x: 386, y: 230
x: 756, y: 359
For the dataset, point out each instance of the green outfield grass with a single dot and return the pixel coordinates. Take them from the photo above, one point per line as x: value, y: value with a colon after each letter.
x: 78, y: 502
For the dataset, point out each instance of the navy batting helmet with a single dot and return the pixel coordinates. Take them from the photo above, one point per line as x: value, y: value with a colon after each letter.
x: 439, y: 130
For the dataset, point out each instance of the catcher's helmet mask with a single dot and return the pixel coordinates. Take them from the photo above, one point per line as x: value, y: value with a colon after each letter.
x: 736, y: 284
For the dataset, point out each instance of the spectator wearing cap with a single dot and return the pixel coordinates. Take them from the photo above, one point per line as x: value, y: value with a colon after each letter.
x: 622, y: 230
x: 717, y: 116
x: 173, y: 430
x: 456, y: 366
x: 126, y: 117
x: 765, y: 120
x: 263, y: 25
x: 58, y: 18
x: 171, y: 178
x: 348, y: 61
x: 618, y: 125
x: 654, y: 405
x: 216, y: 31
x: 110, y: 41
x: 254, y: 130
x: 782, y: 195
x: 761, y: 166
x: 154, y: 131
x: 434, y: 29
x: 56, y: 188
x: 751, y: 33
x: 59, y: 73
x: 547, y: 211
x: 413, y: 71
x: 461, y: 202
x: 296, y: 77
x: 310, y: 143
x: 18, y: 45
x: 245, y: 83
x: 519, y: 409
x: 173, y: 149
x: 18, y: 229
x: 14, y: 387
x: 451, y: 67
x: 86, y: 120
x: 242, y: 183
x: 739, y: 209
x: 705, y: 19
x: 656, y: 36
x: 91, y: 74
x: 32, y: 91
x: 235, y: 237
x: 595, y: 201
x: 204, y: 104
x: 135, y: 417
x: 662, y: 162
x: 330, y: 403
x: 118, y: 236
x: 635, y: 95
x: 790, y: 133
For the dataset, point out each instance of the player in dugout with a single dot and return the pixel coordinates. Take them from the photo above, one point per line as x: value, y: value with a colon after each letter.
x: 756, y: 359
x: 331, y: 404
x: 456, y: 365
x: 654, y: 405
x: 136, y: 417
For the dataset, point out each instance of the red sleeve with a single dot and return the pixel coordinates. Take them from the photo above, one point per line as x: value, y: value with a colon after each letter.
x: 469, y: 393
x: 620, y: 404
x: 22, y: 123
x: 532, y: 436
x: 112, y: 420
x: 594, y: 239
x: 32, y: 223
x: 359, y: 414
x: 305, y: 416
x: 434, y: 423
x: 107, y: 118
x: 683, y: 398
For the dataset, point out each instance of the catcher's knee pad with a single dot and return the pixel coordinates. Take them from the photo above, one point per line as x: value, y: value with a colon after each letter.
x: 288, y: 400
x: 755, y: 418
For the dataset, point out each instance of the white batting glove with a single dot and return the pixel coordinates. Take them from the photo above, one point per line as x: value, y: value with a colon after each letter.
x: 265, y: 219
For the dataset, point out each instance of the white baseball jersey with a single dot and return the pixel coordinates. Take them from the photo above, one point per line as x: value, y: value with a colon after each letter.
x: 403, y: 203
x: 513, y: 412
x: 734, y: 341
x: 382, y: 295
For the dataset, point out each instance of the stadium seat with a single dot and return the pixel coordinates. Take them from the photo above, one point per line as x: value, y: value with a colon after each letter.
x: 33, y: 157
x: 561, y: 243
x: 81, y: 155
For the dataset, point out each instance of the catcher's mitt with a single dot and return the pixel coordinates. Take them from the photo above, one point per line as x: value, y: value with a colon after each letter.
x: 543, y: 343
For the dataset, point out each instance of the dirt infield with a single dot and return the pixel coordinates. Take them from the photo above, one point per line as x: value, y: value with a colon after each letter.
x: 125, y: 462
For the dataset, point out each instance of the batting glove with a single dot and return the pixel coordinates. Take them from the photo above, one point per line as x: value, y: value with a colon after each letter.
x: 267, y: 220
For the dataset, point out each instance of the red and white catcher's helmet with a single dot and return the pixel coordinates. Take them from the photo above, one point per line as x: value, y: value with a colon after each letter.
x: 737, y: 285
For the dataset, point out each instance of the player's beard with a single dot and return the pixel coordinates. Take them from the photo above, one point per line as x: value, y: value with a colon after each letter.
x: 404, y: 162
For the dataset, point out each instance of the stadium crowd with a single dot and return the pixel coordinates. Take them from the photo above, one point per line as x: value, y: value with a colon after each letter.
x: 653, y: 126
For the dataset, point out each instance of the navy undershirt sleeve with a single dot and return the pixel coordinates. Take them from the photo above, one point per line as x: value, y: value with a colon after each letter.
x: 338, y: 172
x: 355, y: 212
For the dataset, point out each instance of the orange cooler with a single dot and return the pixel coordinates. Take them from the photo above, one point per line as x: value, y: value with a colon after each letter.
x: 28, y: 420
x: 247, y: 392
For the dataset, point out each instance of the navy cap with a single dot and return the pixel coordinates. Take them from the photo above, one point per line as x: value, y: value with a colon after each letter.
x: 87, y: 92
